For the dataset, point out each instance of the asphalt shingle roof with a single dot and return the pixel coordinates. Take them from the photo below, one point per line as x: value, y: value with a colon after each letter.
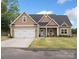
x: 36, y: 17
x: 58, y: 18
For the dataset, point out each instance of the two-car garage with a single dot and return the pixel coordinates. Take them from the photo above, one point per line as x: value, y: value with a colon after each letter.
x: 24, y: 33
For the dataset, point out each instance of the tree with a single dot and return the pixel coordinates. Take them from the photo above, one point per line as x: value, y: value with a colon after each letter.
x: 74, y: 31
x: 9, y: 11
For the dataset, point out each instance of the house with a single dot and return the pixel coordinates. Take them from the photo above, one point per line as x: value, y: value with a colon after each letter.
x: 40, y: 25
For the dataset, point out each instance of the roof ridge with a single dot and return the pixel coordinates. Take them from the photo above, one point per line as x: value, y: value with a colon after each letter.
x: 42, y: 14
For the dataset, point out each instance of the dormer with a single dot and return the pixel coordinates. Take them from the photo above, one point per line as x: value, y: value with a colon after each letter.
x: 64, y: 24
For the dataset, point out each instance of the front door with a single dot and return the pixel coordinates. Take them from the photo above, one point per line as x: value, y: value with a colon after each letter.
x: 50, y: 32
x: 42, y: 32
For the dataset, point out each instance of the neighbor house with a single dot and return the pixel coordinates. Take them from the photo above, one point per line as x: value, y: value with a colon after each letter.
x: 40, y: 25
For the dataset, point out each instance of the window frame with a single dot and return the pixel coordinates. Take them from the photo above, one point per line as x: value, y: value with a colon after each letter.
x: 24, y: 19
x: 63, y: 31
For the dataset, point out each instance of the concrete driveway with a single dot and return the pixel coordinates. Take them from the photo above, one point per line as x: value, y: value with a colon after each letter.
x: 14, y: 42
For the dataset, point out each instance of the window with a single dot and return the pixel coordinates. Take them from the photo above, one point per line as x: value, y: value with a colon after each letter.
x: 50, y: 30
x: 24, y: 19
x: 64, y: 31
x: 64, y: 25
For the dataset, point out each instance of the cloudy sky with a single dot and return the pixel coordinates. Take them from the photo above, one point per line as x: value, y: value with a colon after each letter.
x: 59, y: 7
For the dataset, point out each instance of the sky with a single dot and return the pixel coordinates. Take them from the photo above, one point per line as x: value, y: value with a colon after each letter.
x: 59, y: 7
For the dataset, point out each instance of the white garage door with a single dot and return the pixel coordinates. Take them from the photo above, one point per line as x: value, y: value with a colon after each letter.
x: 24, y: 33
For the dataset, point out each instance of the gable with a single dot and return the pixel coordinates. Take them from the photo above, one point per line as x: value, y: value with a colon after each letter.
x: 51, y: 23
x: 35, y: 18
x: 44, y: 18
x: 60, y: 19
x: 64, y: 25
x: 24, y: 19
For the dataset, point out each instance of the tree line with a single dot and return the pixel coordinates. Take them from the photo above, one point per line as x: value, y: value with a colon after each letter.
x: 9, y: 11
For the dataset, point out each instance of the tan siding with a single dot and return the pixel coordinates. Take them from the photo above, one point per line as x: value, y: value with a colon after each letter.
x: 45, y: 18
x: 52, y: 23
x: 24, y: 26
x: 28, y: 21
x: 58, y: 31
x: 12, y: 31
x: 36, y: 32
x: 68, y: 31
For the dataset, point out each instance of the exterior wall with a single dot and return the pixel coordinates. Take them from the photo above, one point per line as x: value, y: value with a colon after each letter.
x: 24, y: 27
x: 45, y: 18
x: 37, y: 31
x: 52, y: 33
x: 69, y: 33
x: 44, y: 32
x: 52, y: 26
x: 58, y: 31
x: 52, y: 23
x: 12, y: 31
x: 47, y: 27
x: 28, y: 21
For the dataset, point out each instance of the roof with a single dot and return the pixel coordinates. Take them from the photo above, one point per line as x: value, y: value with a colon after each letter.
x: 36, y: 17
x: 58, y: 18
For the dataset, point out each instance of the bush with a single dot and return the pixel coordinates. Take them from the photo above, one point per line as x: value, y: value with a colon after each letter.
x: 10, y: 36
x: 4, y: 33
x: 74, y: 31
x: 64, y: 36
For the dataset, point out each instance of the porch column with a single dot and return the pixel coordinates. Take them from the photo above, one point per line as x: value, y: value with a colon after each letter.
x: 58, y: 31
x: 11, y: 30
x: 38, y: 31
x: 46, y: 31
x: 70, y: 31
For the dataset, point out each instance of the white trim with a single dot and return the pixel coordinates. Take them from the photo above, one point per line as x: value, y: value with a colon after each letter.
x: 24, y: 25
x: 31, y: 18
x: 11, y: 31
x: 24, y: 32
x: 37, y: 30
x: 50, y: 21
x: 42, y: 17
x: 20, y: 16
x: 64, y: 23
x: 63, y: 33
x: 53, y: 20
x: 17, y: 18
x: 58, y: 32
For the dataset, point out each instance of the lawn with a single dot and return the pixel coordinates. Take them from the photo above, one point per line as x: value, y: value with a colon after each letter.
x: 4, y: 38
x: 4, y: 35
x: 55, y: 42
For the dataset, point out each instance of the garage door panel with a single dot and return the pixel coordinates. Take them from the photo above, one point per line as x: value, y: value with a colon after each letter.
x: 24, y: 32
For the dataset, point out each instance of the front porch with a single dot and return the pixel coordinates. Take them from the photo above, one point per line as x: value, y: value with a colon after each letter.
x: 48, y: 32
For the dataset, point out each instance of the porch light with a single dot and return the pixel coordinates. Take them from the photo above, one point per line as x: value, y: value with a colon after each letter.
x: 45, y: 15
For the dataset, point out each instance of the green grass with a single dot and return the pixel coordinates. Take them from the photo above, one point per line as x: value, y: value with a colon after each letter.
x: 55, y: 42
x: 4, y: 38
